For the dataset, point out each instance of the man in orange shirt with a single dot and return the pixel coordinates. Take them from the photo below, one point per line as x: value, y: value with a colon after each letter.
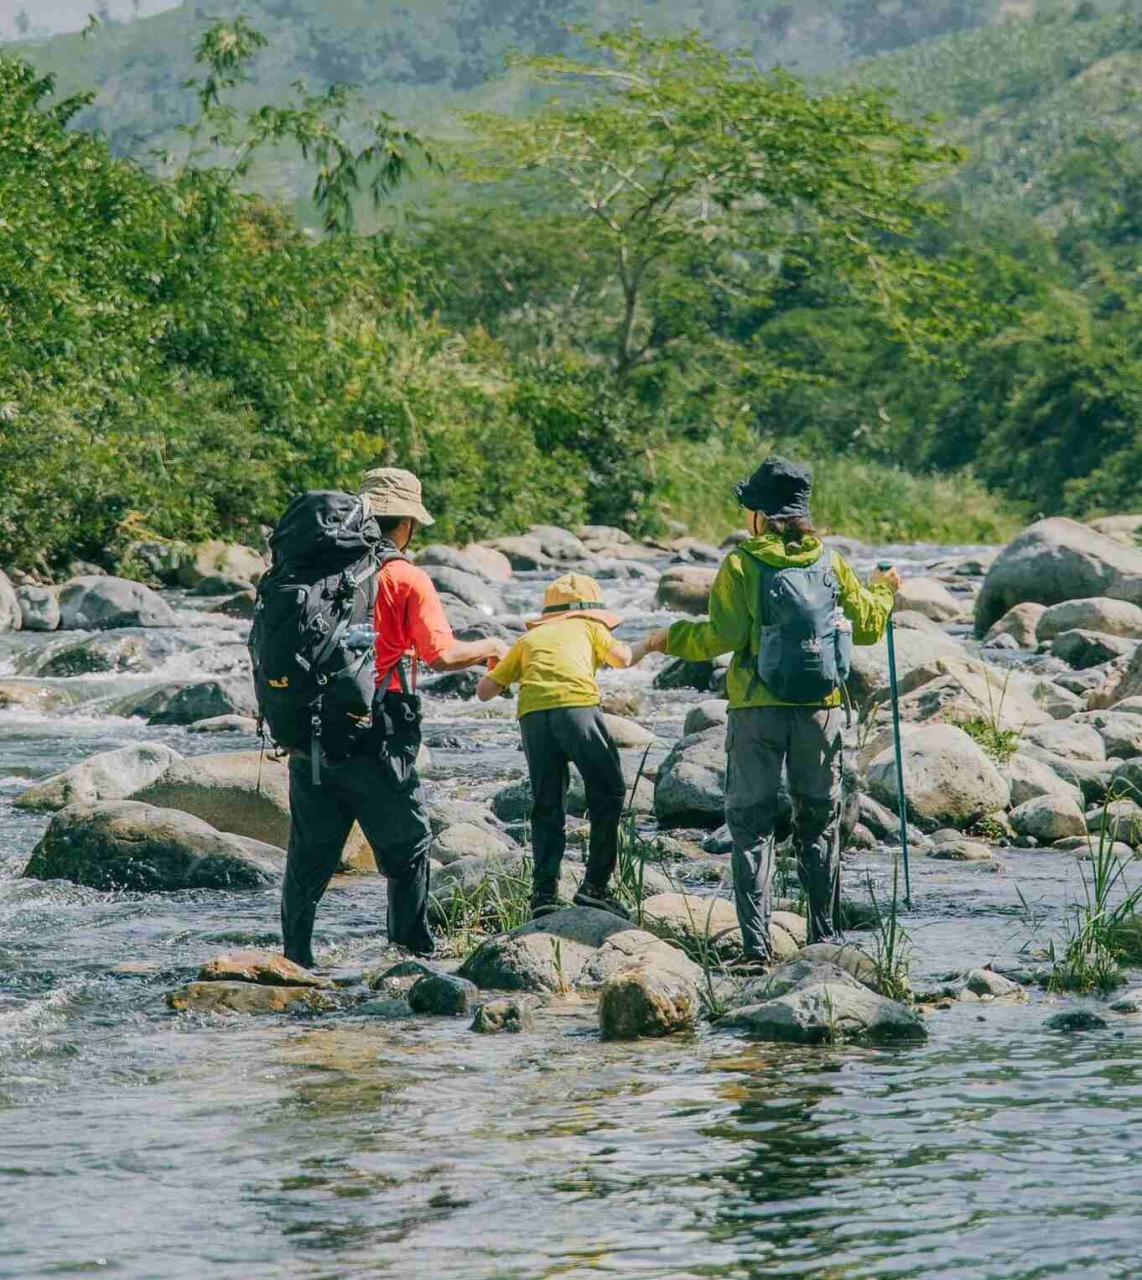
x: 378, y: 787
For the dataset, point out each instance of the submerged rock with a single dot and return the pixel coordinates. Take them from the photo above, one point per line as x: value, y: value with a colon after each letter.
x: 96, y: 603
x: 250, y: 998
x: 110, y: 775
x: 443, y: 994
x: 985, y: 982
x: 511, y: 1014
x: 1076, y: 1020
x: 126, y: 845
x: 648, y: 1000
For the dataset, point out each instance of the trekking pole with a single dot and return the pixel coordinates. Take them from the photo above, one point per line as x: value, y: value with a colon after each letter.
x: 901, y: 803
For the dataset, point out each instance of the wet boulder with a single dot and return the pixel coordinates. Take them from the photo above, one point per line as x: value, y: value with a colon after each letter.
x: 648, y: 1001
x: 578, y: 948
x: 488, y: 562
x: 1020, y: 623
x: 11, y: 614
x: 701, y: 924
x: 1083, y: 650
x: 127, y: 845
x: 960, y: 850
x: 39, y: 608
x: 929, y: 596
x: 488, y: 566
x: 224, y: 724
x: 225, y: 559
x: 242, y: 792
x: 442, y: 994
x: 98, y: 603
x: 628, y: 735
x: 820, y: 1008
x: 1099, y: 613
x: 678, y: 673
x: 690, y: 790
x: 222, y: 584
x: 868, y: 682
x: 250, y: 998
x: 474, y: 591
x: 1046, y: 819
x: 1068, y: 738
x: 712, y: 713
x: 24, y: 695
x: 559, y: 544
x: 110, y: 775
x: 270, y: 968
x: 1121, y: 732
x: 524, y: 552
x: 204, y: 699
x: 686, y: 588
x: 986, y: 982
x: 469, y: 840
x: 948, y: 781
x: 111, y: 651
x: 1054, y: 561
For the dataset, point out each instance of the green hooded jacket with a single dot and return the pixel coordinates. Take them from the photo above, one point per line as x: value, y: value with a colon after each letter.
x: 734, y: 623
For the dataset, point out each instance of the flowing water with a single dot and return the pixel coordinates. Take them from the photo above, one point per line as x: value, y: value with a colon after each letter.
x: 136, y: 1143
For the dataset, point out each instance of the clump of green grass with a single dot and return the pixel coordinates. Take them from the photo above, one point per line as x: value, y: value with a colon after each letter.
x: 892, y: 945
x: 1103, y: 930
x: 999, y: 744
x: 499, y: 903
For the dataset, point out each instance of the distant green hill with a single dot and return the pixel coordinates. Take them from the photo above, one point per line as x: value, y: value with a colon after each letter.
x: 422, y: 58
x: 1028, y: 100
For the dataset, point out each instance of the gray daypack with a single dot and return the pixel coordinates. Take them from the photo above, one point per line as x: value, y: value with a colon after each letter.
x: 806, y: 640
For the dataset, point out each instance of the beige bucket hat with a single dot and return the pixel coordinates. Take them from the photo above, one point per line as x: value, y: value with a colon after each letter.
x: 389, y: 491
x: 575, y: 595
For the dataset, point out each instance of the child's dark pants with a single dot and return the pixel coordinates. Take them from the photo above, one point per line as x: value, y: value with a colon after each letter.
x: 551, y: 741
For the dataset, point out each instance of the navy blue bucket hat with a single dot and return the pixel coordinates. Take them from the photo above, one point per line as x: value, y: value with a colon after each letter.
x: 779, y: 489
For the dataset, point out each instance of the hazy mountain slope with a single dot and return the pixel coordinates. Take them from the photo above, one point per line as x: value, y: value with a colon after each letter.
x: 420, y: 58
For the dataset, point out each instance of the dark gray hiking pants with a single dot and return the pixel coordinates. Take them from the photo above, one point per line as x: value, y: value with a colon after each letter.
x: 759, y: 741
x: 552, y: 740
x: 321, y: 817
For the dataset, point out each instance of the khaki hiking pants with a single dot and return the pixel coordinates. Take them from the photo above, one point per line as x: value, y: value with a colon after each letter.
x: 807, y: 742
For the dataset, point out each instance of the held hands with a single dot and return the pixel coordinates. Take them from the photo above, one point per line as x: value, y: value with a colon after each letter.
x: 653, y: 643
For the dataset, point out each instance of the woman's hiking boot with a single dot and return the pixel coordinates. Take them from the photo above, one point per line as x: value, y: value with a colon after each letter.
x: 588, y: 896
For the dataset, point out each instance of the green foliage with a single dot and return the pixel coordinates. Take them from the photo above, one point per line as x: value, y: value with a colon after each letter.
x: 1102, y: 929
x: 1000, y: 744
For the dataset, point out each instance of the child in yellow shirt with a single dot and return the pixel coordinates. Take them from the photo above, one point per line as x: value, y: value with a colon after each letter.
x: 561, y: 723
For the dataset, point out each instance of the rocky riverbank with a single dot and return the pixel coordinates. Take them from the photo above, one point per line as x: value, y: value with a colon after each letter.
x: 1019, y: 674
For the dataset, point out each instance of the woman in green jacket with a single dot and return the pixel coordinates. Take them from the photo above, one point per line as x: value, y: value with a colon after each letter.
x: 766, y: 734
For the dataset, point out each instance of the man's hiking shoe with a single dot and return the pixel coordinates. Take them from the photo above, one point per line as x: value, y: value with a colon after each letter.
x: 541, y: 907
x: 749, y: 967
x: 587, y: 897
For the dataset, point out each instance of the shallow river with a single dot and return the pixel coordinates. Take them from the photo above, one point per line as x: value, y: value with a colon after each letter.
x: 135, y: 1143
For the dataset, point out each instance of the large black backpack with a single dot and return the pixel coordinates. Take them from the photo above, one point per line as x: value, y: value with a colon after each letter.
x: 312, y: 641
x: 806, y: 640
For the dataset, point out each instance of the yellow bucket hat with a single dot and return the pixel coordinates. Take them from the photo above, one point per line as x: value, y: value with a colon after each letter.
x: 575, y: 595
x: 389, y: 491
